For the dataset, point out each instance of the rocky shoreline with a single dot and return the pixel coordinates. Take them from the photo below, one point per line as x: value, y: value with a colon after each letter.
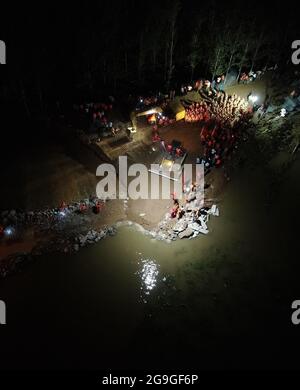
x: 66, y: 228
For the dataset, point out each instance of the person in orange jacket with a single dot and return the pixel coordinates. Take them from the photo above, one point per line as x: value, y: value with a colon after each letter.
x: 62, y: 206
x: 83, y: 207
x: 98, y: 207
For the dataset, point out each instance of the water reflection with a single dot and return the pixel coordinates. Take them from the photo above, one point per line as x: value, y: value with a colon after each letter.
x: 148, y: 272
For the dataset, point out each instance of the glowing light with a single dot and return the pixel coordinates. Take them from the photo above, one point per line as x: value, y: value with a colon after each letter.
x: 283, y: 112
x: 131, y: 129
x: 8, y: 231
x: 253, y: 98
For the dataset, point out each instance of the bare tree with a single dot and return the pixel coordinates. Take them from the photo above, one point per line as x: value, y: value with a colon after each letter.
x: 194, y: 57
x: 171, y: 43
x: 233, y: 51
x: 242, y: 61
x: 258, y: 45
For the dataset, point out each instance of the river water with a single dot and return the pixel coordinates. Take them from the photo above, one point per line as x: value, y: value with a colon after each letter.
x: 217, y: 300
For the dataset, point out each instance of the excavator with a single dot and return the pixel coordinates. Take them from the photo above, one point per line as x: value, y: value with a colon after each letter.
x: 136, y: 114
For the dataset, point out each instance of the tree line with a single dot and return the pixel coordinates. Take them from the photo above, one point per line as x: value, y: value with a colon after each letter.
x: 84, y: 49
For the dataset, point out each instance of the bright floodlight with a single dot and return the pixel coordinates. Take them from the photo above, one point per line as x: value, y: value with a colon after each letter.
x: 8, y: 231
x: 253, y: 98
x: 283, y: 112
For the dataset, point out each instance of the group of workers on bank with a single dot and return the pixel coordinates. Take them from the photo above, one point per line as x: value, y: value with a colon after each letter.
x: 98, y: 206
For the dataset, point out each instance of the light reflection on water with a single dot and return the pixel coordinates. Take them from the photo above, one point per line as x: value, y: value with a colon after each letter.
x: 148, y: 273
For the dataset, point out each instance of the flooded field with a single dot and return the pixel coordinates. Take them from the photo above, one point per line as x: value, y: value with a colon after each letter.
x: 221, y: 300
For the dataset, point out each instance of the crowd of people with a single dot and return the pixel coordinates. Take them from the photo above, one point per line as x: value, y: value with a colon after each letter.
x: 248, y: 77
x: 219, y: 135
x: 221, y: 117
x: 94, y: 112
x: 160, y: 120
x: 174, y: 149
x: 226, y: 109
x: 217, y: 143
x: 98, y: 116
x: 94, y: 109
x: 148, y: 101
x: 197, y: 112
x: 145, y: 102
